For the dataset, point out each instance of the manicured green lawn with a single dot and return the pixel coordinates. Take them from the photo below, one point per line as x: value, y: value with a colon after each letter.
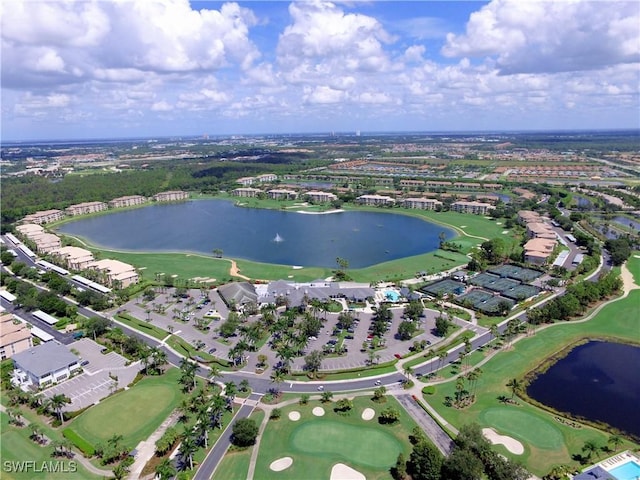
x: 17, y: 447
x: 528, y: 423
x: 318, y: 443
x: 134, y: 413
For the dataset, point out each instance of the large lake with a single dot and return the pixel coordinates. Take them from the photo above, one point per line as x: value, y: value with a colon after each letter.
x: 598, y: 381
x: 269, y: 236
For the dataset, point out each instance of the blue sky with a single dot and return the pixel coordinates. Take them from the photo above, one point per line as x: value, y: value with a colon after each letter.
x: 107, y: 68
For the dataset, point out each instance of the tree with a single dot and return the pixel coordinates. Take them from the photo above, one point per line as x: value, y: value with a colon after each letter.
x: 217, y: 252
x: 442, y: 326
x: 165, y: 470
x: 616, y: 441
x: 379, y: 394
x: 187, y: 448
x: 36, y: 432
x: 313, y: 362
x: 343, y: 405
x: 389, y: 415
x: 590, y: 447
x: 57, y: 402
x: 188, y: 371
x: 244, y: 385
x: 245, y: 431
x: 515, y: 385
x: 462, y: 464
x: 399, y: 470
x: 425, y: 461
x: 326, y: 396
x: 406, y: 329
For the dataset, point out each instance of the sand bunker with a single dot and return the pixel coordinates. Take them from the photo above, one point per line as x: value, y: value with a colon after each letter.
x: 294, y: 416
x: 318, y: 411
x: 281, y: 464
x: 510, y: 443
x: 340, y: 471
x: 368, y: 414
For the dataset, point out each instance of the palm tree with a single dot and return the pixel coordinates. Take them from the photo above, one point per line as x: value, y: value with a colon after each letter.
x: 494, y: 331
x: 515, y: 386
x: 244, y: 385
x: 230, y: 390
x: 57, y: 402
x: 472, y: 377
x: 165, y: 470
x: 188, y: 447
x: 202, y: 425
x: 442, y: 356
x: 188, y: 376
x: 591, y: 447
x: 216, y: 408
x: 616, y: 441
x: 277, y: 377
x: 408, y: 371
x: 213, y: 373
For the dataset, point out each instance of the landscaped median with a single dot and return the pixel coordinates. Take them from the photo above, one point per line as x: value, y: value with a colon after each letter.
x: 348, y: 374
x: 141, y: 326
x: 184, y: 348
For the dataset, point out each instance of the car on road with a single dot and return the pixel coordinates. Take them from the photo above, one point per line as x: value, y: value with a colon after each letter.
x: 377, y: 382
x: 397, y: 355
x: 211, y: 350
x: 321, y: 387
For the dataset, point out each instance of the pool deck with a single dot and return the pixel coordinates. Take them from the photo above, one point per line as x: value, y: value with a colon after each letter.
x: 613, y: 462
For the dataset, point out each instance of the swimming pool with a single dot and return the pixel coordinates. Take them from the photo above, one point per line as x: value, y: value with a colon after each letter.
x: 392, y: 295
x: 627, y: 471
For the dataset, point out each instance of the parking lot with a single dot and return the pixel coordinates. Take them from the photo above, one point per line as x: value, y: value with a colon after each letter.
x: 95, y: 383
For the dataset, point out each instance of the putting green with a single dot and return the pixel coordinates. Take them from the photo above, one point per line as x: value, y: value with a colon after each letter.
x: 130, y: 414
x: 362, y: 445
x: 522, y: 426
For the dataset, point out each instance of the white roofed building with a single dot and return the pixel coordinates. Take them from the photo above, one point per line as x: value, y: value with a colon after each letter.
x: 75, y: 258
x: 116, y: 274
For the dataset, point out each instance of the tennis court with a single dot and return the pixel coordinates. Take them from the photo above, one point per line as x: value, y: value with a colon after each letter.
x: 493, y: 282
x: 486, y: 302
x: 444, y: 287
x: 521, y: 292
x: 525, y: 275
x: 475, y: 297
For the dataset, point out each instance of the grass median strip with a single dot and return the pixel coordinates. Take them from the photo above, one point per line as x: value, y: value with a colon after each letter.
x: 141, y: 326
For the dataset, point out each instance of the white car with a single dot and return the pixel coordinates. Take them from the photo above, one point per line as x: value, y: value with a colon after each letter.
x: 321, y: 387
x: 378, y: 382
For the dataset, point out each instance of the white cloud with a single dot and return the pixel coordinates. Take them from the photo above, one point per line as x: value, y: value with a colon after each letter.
x: 161, y: 106
x: 534, y: 36
x: 323, y: 95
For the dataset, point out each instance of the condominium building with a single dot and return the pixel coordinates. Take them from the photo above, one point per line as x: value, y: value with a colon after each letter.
x: 375, y: 200
x: 320, y: 197
x: 115, y: 273
x: 421, y: 203
x: 46, y: 216
x: 477, y: 208
x: 246, y: 192
x: 466, y: 186
x: 171, y: 196
x: 84, y: 208
x: 540, y: 230
x: 30, y: 229
x: 411, y: 183
x: 15, y: 337
x: 267, y: 177
x: 128, y: 201
x: 282, y: 194
x: 437, y: 184
x: 538, y: 250
x: 74, y: 258
x: 246, y: 181
x: 46, y: 242
x: 527, y: 216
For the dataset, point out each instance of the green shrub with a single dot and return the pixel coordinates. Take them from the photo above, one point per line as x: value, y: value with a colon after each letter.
x: 429, y: 390
x: 84, y: 446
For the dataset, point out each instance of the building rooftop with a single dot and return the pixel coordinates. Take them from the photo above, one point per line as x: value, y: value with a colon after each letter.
x: 45, y: 358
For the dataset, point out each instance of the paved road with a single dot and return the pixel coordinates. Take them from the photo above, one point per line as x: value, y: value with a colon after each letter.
x: 436, y: 434
x: 213, y: 459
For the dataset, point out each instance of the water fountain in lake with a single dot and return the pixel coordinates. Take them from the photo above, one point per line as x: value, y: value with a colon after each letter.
x: 278, y: 238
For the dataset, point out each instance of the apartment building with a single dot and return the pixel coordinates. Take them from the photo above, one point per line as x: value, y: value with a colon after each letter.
x: 421, y: 203
x: 46, y: 242
x: 375, y: 200
x: 246, y: 192
x: 527, y: 216
x: 15, y: 337
x: 85, y: 208
x: 267, y: 177
x: 115, y: 273
x: 538, y: 250
x: 128, y: 201
x: 466, y: 186
x: 45, y: 216
x: 171, y: 196
x: 246, y: 181
x: 282, y: 194
x: 320, y: 197
x: 30, y: 229
x: 74, y: 258
x: 540, y: 230
x: 411, y: 183
x: 477, y: 208
x: 437, y: 184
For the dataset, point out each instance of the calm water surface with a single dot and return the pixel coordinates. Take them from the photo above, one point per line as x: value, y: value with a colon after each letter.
x: 270, y: 236
x: 598, y: 381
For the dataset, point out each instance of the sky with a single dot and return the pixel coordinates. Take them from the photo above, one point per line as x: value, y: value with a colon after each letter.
x: 126, y: 68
